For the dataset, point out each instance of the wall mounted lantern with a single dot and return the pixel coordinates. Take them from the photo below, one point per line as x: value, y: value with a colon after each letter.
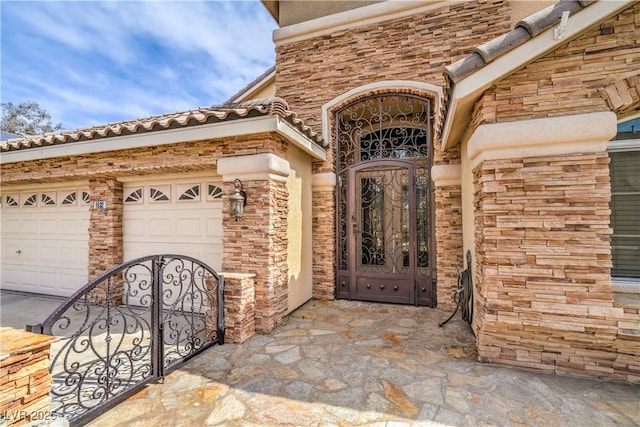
x: 237, y: 201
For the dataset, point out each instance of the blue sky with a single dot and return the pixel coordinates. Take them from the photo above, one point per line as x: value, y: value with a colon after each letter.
x: 94, y: 62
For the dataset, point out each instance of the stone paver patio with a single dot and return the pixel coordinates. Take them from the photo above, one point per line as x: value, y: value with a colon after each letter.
x: 354, y: 363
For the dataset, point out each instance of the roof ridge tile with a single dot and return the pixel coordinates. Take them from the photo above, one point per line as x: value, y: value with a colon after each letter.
x: 542, y: 20
x: 524, y: 30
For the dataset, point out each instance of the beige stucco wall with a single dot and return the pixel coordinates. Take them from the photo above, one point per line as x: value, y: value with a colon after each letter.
x: 293, y: 12
x: 296, y: 11
x: 523, y: 8
x: 468, y: 227
x: 299, y: 252
x: 266, y: 90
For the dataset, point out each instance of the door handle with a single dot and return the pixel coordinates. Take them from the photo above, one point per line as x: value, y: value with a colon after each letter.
x: 354, y: 224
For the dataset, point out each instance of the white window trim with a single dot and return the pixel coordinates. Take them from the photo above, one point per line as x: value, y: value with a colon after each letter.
x: 624, y: 284
x: 619, y: 145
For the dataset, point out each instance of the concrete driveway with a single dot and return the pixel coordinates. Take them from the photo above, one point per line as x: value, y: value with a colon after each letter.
x: 17, y: 309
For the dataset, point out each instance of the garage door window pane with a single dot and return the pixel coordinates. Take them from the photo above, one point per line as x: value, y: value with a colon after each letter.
x: 48, y: 199
x: 158, y: 195
x: 134, y: 196
x: 30, y: 200
x: 215, y: 192
x: 191, y: 193
x: 70, y: 199
x: 11, y: 201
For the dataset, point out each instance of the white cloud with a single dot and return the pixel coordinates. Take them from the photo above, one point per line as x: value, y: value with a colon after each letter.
x: 94, y: 62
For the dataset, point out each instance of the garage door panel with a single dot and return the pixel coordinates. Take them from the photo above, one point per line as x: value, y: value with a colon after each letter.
x: 181, y: 248
x: 48, y: 254
x: 190, y: 227
x: 29, y: 252
x: 134, y: 227
x: 159, y: 227
x: 29, y: 277
x: 214, y: 227
x: 49, y: 227
x: 73, y: 227
x: 214, y: 259
x: 68, y: 281
x: 10, y: 248
x: 52, y: 241
x: 73, y: 255
x: 10, y: 276
x: 26, y: 227
x: 47, y: 279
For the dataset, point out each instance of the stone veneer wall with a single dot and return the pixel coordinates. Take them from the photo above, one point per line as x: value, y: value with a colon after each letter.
x: 189, y: 156
x: 312, y: 72
x: 448, y: 214
x: 543, y: 278
x: 257, y: 243
x: 25, y: 381
x: 105, y: 227
x: 324, y: 244
x: 239, y: 306
x: 543, y: 282
x: 594, y: 72
x: 448, y: 231
x: 103, y: 170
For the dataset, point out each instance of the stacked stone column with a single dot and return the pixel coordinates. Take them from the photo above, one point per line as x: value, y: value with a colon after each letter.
x: 323, y: 235
x: 25, y: 381
x: 448, y: 231
x: 105, y: 229
x: 257, y: 242
x: 543, y: 274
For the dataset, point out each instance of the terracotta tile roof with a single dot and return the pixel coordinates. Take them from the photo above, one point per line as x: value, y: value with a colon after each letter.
x: 524, y: 31
x: 198, y: 116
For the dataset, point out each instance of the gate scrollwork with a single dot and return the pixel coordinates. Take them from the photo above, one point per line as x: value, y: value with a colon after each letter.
x: 128, y: 327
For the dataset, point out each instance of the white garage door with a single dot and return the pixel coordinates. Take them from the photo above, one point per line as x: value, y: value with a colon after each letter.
x: 45, y: 236
x: 181, y: 216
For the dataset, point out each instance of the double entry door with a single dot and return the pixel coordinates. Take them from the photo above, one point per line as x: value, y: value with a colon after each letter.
x: 384, y: 233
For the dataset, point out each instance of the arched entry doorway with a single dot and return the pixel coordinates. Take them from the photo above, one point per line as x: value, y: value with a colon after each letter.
x: 384, y: 212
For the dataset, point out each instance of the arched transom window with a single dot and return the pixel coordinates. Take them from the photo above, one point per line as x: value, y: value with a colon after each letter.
x: 393, y: 126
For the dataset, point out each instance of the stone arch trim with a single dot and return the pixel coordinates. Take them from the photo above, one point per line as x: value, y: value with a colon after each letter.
x: 426, y: 90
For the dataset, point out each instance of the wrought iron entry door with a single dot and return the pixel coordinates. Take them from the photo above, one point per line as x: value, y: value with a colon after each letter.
x: 383, y: 201
x: 388, y: 212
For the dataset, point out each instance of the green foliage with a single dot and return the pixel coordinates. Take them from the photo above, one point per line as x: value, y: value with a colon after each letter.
x: 26, y: 118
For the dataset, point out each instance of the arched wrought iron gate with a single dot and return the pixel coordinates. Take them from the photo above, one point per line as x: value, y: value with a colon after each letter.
x: 128, y: 327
